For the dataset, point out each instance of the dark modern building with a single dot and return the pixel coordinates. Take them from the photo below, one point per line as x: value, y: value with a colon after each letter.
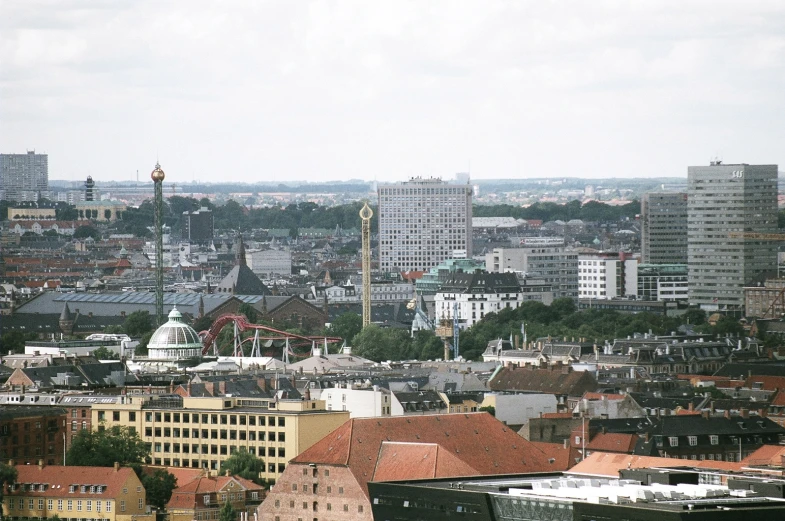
x: 644, y: 495
x: 198, y: 225
x: 664, y: 228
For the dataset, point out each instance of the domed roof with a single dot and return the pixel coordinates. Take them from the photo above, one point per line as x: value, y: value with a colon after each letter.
x: 175, y: 334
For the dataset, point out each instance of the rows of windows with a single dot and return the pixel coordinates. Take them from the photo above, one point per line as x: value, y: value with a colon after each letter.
x: 70, y: 505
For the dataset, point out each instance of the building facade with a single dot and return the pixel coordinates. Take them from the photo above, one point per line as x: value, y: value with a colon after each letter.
x: 664, y: 228
x: 198, y: 226
x: 203, y: 432
x: 544, y: 257
x: 423, y: 222
x: 666, y: 282
x: 29, y: 434
x: 607, y: 275
x: 471, y: 296
x: 725, y: 203
x: 23, y: 176
x: 269, y: 264
x: 76, y: 494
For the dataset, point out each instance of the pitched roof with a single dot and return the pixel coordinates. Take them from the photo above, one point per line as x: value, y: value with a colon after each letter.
x: 551, y: 381
x: 58, y: 479
x: 398, y: 461
x: 769, y: 383
x: 478, y: 440
x: 609, y: 464
x: 241, y: 280
x: 613, y: 442
x: 768, y: 455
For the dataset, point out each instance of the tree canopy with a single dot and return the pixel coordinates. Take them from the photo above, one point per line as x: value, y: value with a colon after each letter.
x: 138, y: 323
x: 346, y: 326
x: 227, y: 513
x: 244, y: 464
x: 7, y: 476
x: 159, y: 486
x: 104, y: 447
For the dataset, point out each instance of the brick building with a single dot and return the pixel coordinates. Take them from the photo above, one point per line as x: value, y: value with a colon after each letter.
x: 202, y: 498
x: 31, y: 434
x: 329, y: 480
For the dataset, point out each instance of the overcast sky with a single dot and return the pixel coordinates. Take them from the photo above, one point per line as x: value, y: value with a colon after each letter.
x: 334, y: 90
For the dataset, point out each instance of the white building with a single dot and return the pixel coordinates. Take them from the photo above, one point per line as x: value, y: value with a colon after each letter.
x: 270, y: 264
x: 422, y: 222
x: 606, y: 276
x: 474, y: 295
x: 360, y: 402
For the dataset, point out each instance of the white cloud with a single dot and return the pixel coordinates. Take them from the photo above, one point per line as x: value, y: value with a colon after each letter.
x: 330, y: 90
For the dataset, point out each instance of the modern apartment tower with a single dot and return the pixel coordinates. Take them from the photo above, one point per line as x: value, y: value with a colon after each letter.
x: 543, y: 257
x: 729, y: 207
x: 23, y: 176
x: 198, y: 226
x: 664, y: 228
x: 422, y: 223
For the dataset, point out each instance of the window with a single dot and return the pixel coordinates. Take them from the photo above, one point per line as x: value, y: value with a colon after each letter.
x: 60, y: 505
x: 141, y: 503
x: 693, y: 440
x: 98, y: 506
x: 89, y: 506
x: 294, y: 487
x: 40, y: 504
x: 78, y: 505
x: 108, y: 506
x: 70, y: 505
x: 122, y: 505
x: 673, y: 441
x: 206, y: 499
x: 714, y: 439
x: 50, y: 504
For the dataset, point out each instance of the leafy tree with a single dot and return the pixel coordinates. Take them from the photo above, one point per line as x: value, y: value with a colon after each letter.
x: 138, y: 323
x: 427, y: 345
x: 141, y: 348
x: 695, y: 316
x: 346, y: 326
x: 159, y: 486
x: 728, y: 326
x: 378, y: 344
x: 202, y: 323
x: 104, y: 353
x: 15, y: 341
x: 249, y: 311
x: 7, y: 476
x: 490, y: 409
x: 83, y: 232
x: 104, y: 447
x: 244, y: 464
x: 227, y: 513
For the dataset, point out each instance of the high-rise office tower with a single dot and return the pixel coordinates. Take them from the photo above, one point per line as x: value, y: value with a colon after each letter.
x: 664, y: 228
x: 24, y: 176
x: 727, y: 206
x: 198, y: 226
x: 423, y: 222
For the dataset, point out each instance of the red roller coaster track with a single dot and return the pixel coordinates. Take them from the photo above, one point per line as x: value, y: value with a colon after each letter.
x: 209, y: 336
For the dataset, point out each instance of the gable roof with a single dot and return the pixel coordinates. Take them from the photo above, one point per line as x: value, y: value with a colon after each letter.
x: 609, y: 464
x: 241, y: 280
x: 551, y: 381
x: 58, y: 479
x: 478, y: 440
x: 399, y: 460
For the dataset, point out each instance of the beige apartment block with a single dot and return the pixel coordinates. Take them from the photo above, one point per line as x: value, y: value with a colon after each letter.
x: 203, y: 432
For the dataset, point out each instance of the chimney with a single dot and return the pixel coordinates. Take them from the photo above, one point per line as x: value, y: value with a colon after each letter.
x: 11, y: 463
x: 706, y: 414
x: 763, y: 412
x: 691, y: 407
x: 116, y: 466
x: 727, y: 414
x: 222, y: 387
x: 188, y: 387
x: 745, y: 413
x: 566, y: 443
x: 40, y: 464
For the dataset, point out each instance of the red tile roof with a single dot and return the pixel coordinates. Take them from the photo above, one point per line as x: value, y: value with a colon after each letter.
x: 609, y: 464
x: 768, y: 455
x: 600, y: 396
x: 181, y: 475
x: 58, y: 480
x: 399, y: 461
x: 768, y: 383
x: 478, y: 440
x: 563, y: 458
x: 613, y: 442
x: 190, y: 494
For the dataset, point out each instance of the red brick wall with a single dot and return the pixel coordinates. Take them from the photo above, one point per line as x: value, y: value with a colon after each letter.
x: 338, y: 496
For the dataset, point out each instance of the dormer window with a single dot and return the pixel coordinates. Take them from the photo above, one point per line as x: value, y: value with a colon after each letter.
x: 72, y: 488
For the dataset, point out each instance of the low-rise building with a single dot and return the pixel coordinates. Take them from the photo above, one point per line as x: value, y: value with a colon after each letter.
x: 203, y: 498
x: 76, y: 493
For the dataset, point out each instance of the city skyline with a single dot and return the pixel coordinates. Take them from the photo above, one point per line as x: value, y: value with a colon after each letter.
x: 389, y: 91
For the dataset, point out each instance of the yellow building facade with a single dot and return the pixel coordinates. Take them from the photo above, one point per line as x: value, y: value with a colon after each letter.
x: 203, y: 432
x: 76, y: 493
